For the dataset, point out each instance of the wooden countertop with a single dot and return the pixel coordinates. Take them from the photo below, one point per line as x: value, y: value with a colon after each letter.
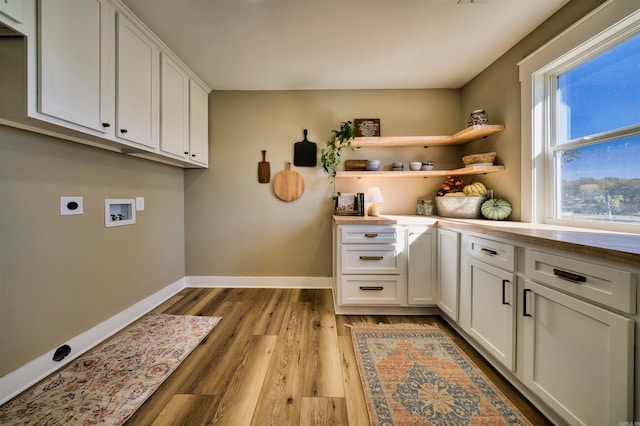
x: 616, y: 246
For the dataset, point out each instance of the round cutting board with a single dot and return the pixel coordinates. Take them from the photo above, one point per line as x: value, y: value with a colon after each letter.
x: 288, y: 185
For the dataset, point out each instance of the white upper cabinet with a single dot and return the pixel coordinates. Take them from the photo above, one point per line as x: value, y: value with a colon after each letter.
x: 174, y: 108
x: 76, y: 81
x: 11, y: 9
x: 137, y: 101
x: 89, y: 71
x: 198, y: 124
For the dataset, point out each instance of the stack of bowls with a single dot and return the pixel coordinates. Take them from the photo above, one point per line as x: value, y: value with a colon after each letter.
x: 397, y: 166
x: 415, y: 166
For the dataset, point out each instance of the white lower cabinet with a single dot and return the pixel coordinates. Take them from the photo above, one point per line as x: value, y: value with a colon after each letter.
x: 371, y: 268
x: 448, y: 272
x: 578, y: 358
x: 384, y: 265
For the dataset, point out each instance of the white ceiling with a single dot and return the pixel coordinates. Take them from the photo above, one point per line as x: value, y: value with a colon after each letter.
x: 340, y: 44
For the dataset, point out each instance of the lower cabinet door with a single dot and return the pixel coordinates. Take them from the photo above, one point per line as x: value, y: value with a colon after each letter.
x: 578, y: 357
x: 448, y: 252
x: 492, y: 310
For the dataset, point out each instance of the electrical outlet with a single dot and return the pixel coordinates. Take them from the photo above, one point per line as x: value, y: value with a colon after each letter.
x: 71, y: 206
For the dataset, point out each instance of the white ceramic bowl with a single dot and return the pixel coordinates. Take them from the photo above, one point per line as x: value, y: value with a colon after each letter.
x: 415, y: 165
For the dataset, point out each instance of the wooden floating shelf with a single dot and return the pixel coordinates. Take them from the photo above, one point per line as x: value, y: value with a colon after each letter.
x: 471, y: 170
x: 467, y: 135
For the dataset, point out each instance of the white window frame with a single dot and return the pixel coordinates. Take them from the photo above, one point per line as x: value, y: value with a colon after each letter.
x: 604, y: 27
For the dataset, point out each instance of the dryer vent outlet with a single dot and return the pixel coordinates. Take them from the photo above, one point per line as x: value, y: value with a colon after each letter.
x: 61, y: 352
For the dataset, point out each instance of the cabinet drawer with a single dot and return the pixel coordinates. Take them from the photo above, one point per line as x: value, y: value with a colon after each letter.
x: 372, y: 290
x: 372, y: 259
x: 492, y: 252
x: 611, y: 287
x: 369, y: 234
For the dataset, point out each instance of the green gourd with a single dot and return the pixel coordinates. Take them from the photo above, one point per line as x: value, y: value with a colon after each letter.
x: 495, y: 209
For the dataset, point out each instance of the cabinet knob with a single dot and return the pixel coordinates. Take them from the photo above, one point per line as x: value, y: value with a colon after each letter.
x: 193, y: 155
x: 186, y: 152
x: 123, y: 130
x: 105, y: 125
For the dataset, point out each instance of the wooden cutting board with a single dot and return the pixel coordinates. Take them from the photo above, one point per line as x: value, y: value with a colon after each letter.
x: 264, y: 169
x: 305, y: 153
x: 288, y: 185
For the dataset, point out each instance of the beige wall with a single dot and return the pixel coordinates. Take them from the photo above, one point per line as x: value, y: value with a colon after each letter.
x: 497, y: 90
x: 61, y: 275
x: 236, y: 226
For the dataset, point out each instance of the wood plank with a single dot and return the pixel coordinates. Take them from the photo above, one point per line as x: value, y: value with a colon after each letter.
x: 240, y: 396
x: 323, y: 412
x: 270, y: 319
x: 187, y: 410
x: 281, y: 396
x: 466, y: 135
x: 354, y: 394
x: 323, y: 375
x: 224, y: 352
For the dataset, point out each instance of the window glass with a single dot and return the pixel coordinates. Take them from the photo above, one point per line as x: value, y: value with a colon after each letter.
x: 594, y: 150
x: 600, y: 182
x: 601, y: 94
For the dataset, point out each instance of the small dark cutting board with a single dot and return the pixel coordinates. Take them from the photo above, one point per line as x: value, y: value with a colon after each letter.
x: 264, y: 169
x: 305, y: 153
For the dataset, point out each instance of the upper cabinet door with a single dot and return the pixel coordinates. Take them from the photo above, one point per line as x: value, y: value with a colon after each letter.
x: 73, y: 59
x: 174, y: 108
x: 199, y: 124
x: 12, y: 9
x: 137, y: 104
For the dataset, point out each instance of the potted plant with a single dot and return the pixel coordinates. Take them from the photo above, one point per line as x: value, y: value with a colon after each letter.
x: 330, y: 154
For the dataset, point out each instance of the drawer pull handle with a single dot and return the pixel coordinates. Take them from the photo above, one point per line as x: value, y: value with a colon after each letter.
x: 371, y: 288
x: 370, y: 235
x: 569, y: 276
x: 488, y: 251
x: 371, y: 257
x: 504, y: 289
x: 524, y: 302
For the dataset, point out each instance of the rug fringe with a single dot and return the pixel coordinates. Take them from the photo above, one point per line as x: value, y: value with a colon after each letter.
x: 384, y: 325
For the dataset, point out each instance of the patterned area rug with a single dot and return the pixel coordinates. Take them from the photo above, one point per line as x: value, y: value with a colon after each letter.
x: 107, y: 384
x: 415, y: 375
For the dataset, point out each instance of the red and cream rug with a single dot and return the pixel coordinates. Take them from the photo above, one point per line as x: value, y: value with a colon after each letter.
x: 107, y: 384
x: 415, y: 375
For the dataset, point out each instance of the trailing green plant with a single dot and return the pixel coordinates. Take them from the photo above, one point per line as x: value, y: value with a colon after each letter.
x: 330, y: 154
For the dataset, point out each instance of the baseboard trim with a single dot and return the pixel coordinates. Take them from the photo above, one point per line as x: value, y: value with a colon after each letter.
x: 258, y: 282
x: 31, y: 373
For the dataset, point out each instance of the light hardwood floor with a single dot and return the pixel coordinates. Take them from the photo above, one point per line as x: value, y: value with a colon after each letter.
x: 278, y: 357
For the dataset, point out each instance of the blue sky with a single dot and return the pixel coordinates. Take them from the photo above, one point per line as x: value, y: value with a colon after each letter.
x: 601, y: 95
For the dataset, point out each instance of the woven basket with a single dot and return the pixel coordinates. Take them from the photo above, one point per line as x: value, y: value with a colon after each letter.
x: 487, y: 157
